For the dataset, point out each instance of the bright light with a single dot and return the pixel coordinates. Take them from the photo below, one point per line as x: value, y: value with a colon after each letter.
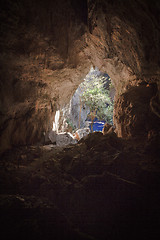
x: 56, y: 121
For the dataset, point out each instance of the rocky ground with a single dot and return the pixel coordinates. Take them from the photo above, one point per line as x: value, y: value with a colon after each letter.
x: 104, y: 187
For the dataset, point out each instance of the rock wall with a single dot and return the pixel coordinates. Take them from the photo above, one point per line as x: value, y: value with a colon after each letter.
x: 75, y: 110
x: 47, y: 48
x: 133, y: 115
x: 41, y: 66
x: 126, y: 35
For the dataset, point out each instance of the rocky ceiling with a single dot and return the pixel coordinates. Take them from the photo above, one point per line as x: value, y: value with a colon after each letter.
x: 48, y: 46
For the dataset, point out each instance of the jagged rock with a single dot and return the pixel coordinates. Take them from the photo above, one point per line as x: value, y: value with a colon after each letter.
x: 65, y: 138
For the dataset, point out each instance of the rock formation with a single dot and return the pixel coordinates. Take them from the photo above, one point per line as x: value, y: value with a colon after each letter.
x: 48, y: 47
x: 65, y: 138
x: 104, y: 187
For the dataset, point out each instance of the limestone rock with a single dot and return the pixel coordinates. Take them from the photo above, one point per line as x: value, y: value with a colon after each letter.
x: 65, y: 138
x: 76, y: 109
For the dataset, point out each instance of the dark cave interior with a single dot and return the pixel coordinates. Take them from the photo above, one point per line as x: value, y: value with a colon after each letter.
x: 105, y: 187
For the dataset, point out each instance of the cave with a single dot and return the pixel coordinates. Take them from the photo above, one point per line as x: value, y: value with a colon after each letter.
x: 107, y: 185
x: 90, y: 106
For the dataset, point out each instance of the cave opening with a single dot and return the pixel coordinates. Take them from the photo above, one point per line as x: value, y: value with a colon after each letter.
x: 91, y: 105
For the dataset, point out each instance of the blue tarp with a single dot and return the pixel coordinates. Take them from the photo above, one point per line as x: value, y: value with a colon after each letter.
x: 97, y: 126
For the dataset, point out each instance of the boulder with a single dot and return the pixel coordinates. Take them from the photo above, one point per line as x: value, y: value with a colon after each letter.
x: 65, y: 138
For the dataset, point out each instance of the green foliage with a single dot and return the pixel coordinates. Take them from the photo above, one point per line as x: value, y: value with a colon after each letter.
x: 95, y: 95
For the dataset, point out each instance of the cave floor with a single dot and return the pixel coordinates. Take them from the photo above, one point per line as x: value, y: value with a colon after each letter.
x: 103, y: 187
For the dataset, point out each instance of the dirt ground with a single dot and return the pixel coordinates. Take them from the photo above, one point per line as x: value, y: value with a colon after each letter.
x: 103, y: 188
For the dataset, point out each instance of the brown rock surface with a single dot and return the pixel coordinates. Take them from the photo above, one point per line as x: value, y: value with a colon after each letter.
x: 47, y: 48
x: 103, y: 187
x: 133, y: 114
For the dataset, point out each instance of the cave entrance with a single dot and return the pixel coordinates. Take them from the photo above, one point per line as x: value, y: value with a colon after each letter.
x: 92, y: 103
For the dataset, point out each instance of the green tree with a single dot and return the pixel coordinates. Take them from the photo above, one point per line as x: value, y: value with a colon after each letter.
x: 96, y: 96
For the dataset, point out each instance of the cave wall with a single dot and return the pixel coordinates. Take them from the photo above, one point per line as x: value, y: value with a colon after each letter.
x: 47, y: 48
x: 41, y: 66
x: 124, y: 39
